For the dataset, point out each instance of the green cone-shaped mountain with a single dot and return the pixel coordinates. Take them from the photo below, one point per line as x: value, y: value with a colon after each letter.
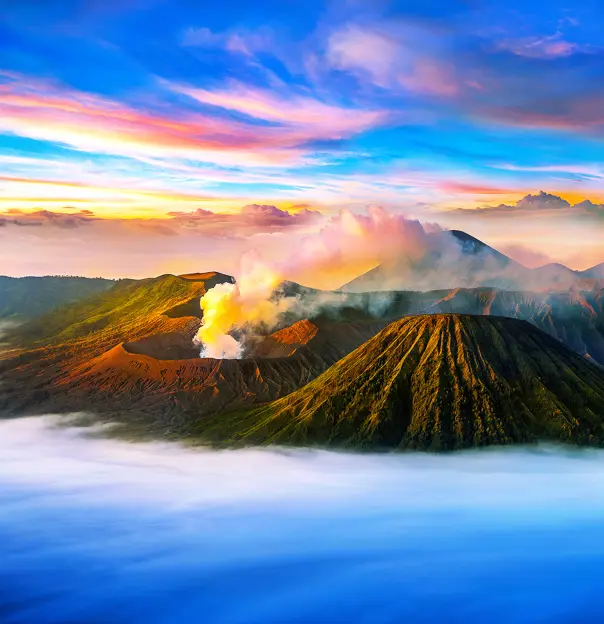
x: 437, y: 382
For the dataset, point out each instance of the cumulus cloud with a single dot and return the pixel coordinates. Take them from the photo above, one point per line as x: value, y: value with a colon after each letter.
x: 590, y: 208
x: 347, y: 242
x: 541, y: 203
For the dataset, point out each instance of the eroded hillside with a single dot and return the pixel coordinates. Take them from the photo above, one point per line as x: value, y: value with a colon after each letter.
x: 436, y: 382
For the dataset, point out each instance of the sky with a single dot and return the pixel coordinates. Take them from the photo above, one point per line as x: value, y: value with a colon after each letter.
x: 139, y: 137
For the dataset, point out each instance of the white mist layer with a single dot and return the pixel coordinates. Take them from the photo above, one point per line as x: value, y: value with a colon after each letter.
x: 101, y: 530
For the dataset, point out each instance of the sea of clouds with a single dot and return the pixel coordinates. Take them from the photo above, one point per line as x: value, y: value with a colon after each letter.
x: 99, y: 530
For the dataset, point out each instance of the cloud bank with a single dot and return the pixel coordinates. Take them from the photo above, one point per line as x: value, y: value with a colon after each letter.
x: 542, y: 203
x: 105, y: 530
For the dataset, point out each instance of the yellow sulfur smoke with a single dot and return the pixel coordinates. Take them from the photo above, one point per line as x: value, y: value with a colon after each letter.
x: 228, y: 307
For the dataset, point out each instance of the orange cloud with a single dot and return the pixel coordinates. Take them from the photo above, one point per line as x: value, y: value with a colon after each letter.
x: 111, y: 201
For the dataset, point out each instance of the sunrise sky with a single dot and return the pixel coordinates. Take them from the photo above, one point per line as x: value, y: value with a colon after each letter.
x: 139, y: 137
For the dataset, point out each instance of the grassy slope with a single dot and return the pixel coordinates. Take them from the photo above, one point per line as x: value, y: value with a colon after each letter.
x: 27, y: 297
x: 129, y: 311
x: 436, y: 382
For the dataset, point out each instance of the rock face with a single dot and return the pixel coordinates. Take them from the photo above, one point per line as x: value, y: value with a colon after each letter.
x: 437, y: 382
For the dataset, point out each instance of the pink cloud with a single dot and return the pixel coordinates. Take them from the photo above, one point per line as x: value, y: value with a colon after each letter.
x: 430, y: 78
x: 467, y: 188
x: 538, y: 47
x: 300, y: 117
x: 51, y: 112
x: 530, y: 258
x: 392, y: 58
x: 251, y: 219
x: 354, y: 48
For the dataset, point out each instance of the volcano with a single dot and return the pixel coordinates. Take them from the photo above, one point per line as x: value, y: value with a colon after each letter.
x: 459, y: 259
x: 455, y: 258
x: 128, y: 353
x: 437, y: 382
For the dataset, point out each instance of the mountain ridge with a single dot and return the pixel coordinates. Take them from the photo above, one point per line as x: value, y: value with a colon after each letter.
x: 31, y: 296
x: 481, y: 266
x: 436, y: 382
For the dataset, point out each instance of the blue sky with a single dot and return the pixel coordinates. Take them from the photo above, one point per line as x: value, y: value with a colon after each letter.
x: 134, y: 109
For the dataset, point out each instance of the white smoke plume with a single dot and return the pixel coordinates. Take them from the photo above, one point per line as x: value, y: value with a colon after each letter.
x: 348, y: 242
x: 229, y: 307
x: 391, y: 252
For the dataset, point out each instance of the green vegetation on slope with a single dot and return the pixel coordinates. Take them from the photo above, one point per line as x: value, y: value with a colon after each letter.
x: 26, y: 297
x: 130, y: 310
x: 436, y: 382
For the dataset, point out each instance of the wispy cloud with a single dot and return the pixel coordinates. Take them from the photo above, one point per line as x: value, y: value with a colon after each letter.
x: 551, y: 47
x: 50, y: 112
x: 239, y: 41
x: 300, y: 117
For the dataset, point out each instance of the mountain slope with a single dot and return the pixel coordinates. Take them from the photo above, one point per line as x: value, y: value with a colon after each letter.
x: 596, y: 272
x: 437, y: 382
x: 129, y: 353
x: 457, y: 259
x: 129, y: 310
x: 555, y: 275
x: 471, y: 245
x: 26, y: 297
x: 576, y: 316
x: 460, y: 260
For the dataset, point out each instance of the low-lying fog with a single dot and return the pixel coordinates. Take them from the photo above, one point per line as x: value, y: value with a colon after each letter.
x: 96, y: 530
